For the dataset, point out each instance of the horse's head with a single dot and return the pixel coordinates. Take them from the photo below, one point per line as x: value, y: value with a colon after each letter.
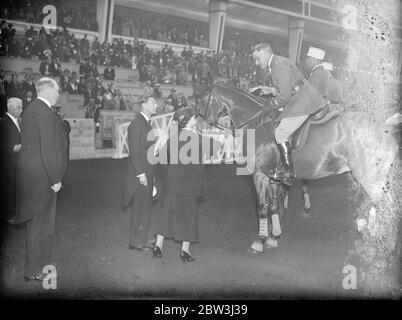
x: 226, y: 107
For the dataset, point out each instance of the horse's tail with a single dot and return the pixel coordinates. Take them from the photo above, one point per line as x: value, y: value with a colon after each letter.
x: 372, y: 149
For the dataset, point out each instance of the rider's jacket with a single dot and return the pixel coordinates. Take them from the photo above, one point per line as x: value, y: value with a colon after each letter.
x: 335, y: 91
x: 319, y: 79
x: 296, y: 95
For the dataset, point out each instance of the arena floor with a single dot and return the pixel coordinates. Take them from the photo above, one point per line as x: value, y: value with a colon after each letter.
x: 93, y: 259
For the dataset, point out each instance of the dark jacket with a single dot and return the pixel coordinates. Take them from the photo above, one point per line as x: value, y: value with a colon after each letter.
x: 335, y: 90
x: 42, y: 68
x: 319, y: 79
x: 137, y: 162
x: 9, y: 137
x: 42, y: 161
x: 186, y: 179
x: 13, y: 89
x: 285, y: 76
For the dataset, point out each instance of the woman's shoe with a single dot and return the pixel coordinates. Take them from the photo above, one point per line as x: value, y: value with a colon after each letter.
x: 157, y: 252
x: 185, y: 257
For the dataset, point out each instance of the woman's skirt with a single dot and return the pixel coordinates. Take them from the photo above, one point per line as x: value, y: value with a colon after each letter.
x: 177, y: 218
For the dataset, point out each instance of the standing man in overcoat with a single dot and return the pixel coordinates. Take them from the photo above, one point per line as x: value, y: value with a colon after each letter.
x: 297, y: 97
x: 41, y: 167
x: 139, y: 176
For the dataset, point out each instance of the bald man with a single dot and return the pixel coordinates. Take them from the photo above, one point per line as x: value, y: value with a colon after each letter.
x: 41, y: 167
x: 10, y: 146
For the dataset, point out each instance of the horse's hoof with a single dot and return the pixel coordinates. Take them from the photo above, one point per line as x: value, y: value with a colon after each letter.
x: 253, y: 251
x: 271, y: 243
x: 255, y: 248
x: 276, y: 237
x: 306, y: 215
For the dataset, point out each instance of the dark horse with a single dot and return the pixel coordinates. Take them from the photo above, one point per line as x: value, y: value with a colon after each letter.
x: 346, y: 142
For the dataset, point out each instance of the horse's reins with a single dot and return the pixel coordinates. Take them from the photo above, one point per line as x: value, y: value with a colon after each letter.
x: 231, y: 117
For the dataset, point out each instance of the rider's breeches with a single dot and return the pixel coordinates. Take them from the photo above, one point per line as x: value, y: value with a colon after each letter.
x: 287, y: 127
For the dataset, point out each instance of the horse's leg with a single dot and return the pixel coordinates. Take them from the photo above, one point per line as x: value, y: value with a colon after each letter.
x: 261, y: 183
x: 286, y: 199
x: 277, y: 195
x: 306, y: 198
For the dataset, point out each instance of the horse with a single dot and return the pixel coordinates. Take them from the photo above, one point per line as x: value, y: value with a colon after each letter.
x: 335, y: 144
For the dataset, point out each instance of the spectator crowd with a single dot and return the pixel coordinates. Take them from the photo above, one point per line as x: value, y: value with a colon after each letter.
x: 233, y: 63
x: 132, y: 22
x: 79, y: 14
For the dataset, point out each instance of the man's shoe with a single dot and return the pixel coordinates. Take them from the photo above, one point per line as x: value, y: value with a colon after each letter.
x: 35, y: 277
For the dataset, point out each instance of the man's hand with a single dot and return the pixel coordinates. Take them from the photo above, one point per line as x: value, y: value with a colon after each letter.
x: 17, y: 148
x: 56, y: 187
x: 264, y: 90
x: 269, y: 90
x: 143, y: 180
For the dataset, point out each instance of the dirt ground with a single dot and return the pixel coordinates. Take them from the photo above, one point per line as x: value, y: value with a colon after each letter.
x: 93, y: 259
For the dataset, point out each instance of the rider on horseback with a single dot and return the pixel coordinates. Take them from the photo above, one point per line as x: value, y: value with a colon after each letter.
x: 321, y: 78
x: 297, y: 97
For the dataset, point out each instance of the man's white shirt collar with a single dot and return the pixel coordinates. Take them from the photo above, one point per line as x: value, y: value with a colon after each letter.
x: 145, y: 116
x: 269, y: 62
x: 15, y: 120
x: 46, y: 102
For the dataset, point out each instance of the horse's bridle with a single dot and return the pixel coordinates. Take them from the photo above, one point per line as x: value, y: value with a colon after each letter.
x: 217, y: 125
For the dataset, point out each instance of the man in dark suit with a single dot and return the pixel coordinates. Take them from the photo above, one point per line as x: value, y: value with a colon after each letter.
x: 28, y: 85
x: 10, y: 146
x: 140, y: 176
x: 44, y: 67
x: 41, y: 166
x: 13, y: 88
x: 27, y: 100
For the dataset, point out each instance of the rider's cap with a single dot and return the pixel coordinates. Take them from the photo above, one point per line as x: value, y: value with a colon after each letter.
x: 316, y: 53
x: 328, y: 66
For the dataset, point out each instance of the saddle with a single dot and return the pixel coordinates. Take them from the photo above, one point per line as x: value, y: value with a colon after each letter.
x: 323, y: 115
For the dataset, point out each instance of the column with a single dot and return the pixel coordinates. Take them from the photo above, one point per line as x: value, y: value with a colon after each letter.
x: 295, y: 35
x: 104, y: 17
x: 217, y: 18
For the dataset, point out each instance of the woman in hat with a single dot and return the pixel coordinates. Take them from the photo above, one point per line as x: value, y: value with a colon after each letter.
x: 185, y: 184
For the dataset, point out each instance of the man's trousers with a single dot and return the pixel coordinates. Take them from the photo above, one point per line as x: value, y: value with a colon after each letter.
x: 39, y: 239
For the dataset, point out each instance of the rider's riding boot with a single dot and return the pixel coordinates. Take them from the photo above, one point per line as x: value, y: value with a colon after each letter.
x: 286, y: 156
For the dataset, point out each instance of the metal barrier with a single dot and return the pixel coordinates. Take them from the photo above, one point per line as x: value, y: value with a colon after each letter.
x: 161, y: 123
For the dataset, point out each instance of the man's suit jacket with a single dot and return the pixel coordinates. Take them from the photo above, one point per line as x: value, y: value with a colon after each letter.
x: 9, y: 137
x: 42, y: 161
x: 26, y: 86
x: 13, y: 89
x: 285, y: 76
x: 137, y: 162
x: 72, y: 90
x: 44, y: 68
x: 319, y: 79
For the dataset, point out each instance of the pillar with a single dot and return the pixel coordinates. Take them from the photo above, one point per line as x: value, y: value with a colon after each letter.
x: 295, y: 35
x: 217, y: 19
x: 104, y: 17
